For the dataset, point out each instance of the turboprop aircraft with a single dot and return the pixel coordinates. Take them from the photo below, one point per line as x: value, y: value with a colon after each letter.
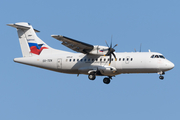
x: 90, y: 60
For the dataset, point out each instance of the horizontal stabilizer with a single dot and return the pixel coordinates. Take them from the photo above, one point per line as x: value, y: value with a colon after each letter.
x: 21, y: 27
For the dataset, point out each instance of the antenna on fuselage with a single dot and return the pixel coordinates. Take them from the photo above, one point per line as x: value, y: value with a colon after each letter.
x: 140, y: 47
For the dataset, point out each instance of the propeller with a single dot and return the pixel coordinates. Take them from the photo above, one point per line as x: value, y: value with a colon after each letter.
x: 111, y: 51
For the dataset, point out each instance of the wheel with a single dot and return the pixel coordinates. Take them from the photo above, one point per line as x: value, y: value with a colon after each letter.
x: 92, y: 76
x: 161, y: 77
x: 106, y: 80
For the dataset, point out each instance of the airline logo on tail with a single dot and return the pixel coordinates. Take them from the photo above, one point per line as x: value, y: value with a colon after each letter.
x: 36, y: 48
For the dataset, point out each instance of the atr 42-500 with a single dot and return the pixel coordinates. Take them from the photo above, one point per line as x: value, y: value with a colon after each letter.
x: 91, y: 60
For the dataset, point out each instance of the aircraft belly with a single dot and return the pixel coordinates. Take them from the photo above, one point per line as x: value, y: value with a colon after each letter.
x: 140, y: 70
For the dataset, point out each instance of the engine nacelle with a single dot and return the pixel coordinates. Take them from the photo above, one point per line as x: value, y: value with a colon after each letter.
x: 99, y: 50
x: 107, y: 70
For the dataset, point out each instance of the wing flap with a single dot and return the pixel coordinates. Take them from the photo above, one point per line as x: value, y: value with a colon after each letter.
x: 75, y: 45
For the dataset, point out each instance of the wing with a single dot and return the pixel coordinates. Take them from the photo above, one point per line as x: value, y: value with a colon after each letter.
x: 74, y: 44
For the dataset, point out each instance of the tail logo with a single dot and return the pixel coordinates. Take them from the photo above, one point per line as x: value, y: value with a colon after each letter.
x: 36, y: 48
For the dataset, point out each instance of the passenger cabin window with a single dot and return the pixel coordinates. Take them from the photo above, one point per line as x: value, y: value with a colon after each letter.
x: 119, y: 59
x: 131, y: 59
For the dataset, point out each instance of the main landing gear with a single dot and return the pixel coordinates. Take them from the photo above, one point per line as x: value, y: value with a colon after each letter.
x: 161, y: 73
x: 92, y: 76
x: 106, y: 80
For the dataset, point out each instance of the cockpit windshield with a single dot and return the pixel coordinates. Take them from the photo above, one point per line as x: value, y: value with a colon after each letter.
x: 157, y: 56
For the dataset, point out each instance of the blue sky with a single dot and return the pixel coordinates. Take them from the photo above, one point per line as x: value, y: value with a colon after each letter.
x: 32, y: 93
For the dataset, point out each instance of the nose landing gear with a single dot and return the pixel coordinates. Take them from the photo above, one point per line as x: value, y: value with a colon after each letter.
x: 161, y: 73
x: 161, y: 77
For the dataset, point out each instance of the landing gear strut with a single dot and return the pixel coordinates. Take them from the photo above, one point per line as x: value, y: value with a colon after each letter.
x: 161, y: 73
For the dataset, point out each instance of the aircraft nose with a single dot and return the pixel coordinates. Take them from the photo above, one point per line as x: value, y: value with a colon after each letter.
x: 170, y: 65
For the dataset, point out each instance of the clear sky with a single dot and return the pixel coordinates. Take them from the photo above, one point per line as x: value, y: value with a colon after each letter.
x: 29, y: 93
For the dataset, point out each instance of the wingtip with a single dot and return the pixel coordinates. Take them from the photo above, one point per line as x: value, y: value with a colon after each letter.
x: 56, y: 36
x: 9, y: 24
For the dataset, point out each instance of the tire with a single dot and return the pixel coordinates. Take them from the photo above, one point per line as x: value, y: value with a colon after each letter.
x: 106, y: 80
x: 161, y: 77
x: 92, y: 76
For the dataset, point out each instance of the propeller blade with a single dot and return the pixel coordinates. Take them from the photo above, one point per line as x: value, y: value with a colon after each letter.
x: 114, y: 56
x: 106, y: 43
x: 115, y: 45
x: 111, y: 42
x: 109, y: 59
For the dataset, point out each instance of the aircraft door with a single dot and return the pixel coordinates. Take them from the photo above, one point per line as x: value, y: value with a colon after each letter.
x: 59, y: 63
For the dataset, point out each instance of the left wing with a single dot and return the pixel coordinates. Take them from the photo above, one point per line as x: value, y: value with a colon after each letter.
x: 74, y: 44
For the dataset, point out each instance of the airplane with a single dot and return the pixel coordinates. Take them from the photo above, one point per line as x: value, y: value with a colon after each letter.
x: 91, y: 60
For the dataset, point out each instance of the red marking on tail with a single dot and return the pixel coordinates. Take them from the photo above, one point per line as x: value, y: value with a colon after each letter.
x: 37, y: 51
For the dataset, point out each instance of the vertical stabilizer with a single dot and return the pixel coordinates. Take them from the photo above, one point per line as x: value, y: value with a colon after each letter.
x: 30, y: 43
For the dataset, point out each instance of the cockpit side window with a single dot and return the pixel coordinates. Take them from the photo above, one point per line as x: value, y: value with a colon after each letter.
x: 152, y: 56
x: 160, y: 56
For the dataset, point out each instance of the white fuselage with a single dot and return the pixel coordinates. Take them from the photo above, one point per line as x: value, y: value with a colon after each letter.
x: 78, y: 63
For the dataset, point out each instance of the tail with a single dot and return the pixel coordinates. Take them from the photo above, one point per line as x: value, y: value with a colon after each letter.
x: 30, y: 43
